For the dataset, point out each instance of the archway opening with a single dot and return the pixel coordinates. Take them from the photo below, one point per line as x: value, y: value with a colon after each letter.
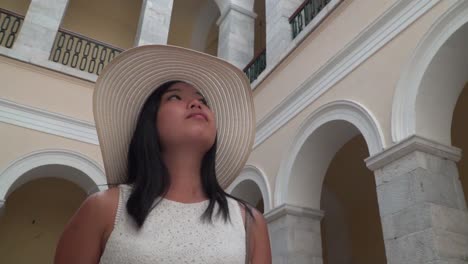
x: 34, y: 217
x: 193, y: 25
x: 440, y: 87
x: 351, y: 228
x: 251, y: 193
x: 460, y: 137
x: 329, y: 173
x: 114, y: 22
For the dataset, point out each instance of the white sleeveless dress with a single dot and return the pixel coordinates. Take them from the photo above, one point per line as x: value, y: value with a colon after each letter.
x: 174, y: 233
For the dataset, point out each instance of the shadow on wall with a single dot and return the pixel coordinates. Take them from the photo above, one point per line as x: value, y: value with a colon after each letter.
x: 351, y: 227
x: 34, y: 217
x: 460, y: 138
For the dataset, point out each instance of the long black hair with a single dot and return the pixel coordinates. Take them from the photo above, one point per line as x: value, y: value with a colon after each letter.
x: 149, y: 176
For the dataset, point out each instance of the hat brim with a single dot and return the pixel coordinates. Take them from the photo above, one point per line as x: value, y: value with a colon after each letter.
x: 128, y: 80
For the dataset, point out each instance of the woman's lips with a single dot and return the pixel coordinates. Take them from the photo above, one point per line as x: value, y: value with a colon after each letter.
x: 198, y: 116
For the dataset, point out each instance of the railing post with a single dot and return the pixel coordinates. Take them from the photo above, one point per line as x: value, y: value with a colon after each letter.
x: 278, y: 29
x: 155, y: 20
x: 236, y: 35
x: 40, y: 26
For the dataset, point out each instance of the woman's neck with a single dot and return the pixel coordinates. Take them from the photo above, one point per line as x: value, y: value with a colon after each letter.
x: 184, y: 169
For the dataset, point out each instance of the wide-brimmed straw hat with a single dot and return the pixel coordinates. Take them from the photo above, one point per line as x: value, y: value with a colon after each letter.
x: 127, y: 81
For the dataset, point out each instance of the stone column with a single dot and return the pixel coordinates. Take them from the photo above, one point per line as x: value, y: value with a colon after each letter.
x: 295, y: 235
x: 236, y: 35
x: 421, y: 202
x: 278, y: 29
x: 39, y: 29
x: 155, y: 20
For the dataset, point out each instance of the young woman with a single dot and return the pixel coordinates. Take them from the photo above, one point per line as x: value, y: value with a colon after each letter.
x: 175, y: 128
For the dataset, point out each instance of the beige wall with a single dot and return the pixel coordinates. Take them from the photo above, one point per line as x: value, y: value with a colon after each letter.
x: 372, y: 84
x: 34, y: 218
x: 44, y: 89
x: 111, y: 21
x: 343, y: 24
x: 16, y: 142
x: 17, y: 6
x: 460, y: 137
x: 353, y: 186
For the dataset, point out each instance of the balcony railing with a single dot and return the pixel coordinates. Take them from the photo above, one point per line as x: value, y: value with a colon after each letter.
x: 256, y: 66
x: 306, y: 13
x: 10, y: 25
x: 80, y: 52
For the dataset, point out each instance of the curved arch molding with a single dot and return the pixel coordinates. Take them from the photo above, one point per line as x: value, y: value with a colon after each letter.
x: 11, y: 177
x: 343, y: 110
x: 254, y: 174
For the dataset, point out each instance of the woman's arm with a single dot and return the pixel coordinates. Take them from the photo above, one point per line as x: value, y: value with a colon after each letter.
x: 259, y: 240
x: 85, y: 235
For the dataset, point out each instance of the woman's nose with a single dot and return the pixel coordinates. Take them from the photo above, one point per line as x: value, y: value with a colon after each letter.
x: 194, y: 103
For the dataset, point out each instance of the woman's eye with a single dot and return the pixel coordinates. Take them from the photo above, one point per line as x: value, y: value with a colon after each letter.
x: 173, y: 96
x: 203, y: 101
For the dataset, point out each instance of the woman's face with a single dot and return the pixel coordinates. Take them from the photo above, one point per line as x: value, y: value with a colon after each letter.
x: 185, y: 118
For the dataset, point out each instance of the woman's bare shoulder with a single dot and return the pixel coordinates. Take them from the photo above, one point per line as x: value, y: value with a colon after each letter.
x: 87, y: 231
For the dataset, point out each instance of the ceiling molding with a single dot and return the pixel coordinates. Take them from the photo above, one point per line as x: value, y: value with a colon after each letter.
x: 47, y: 122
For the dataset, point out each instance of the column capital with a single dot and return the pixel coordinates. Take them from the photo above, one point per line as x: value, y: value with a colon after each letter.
x: 289, y: 209
x: 237, y: 8
x: 410, y: 145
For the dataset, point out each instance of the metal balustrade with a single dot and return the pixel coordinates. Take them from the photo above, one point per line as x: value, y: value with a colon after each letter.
x: 306, y: 13
x: 80, y: 52
x: 256, y: 66
x: 10, y: 25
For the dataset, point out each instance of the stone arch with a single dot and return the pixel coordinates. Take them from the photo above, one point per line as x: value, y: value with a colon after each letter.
x: 420, y: 82
x: 255, y: 175
x: 327, y: 129
x: 12, y: 177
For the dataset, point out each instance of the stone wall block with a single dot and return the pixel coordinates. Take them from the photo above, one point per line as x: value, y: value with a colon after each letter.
x: 449, y: 219
x: 53, y: 8
x: 433, y: 187
x: 236, y: 37
x: 423, y: 216
x: 39, y: 29
x: 419, y: 185
x: 154, y: 24
x: 449, y: 261
x: 398, y: 168
x: 304, y: 259
x: 415, y: 248
x: 395, y: 196
x: 278, y: 29
x: 451, y: 245
x: 295, y: 235
x: 41, y: 34
x: 410, y: 220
